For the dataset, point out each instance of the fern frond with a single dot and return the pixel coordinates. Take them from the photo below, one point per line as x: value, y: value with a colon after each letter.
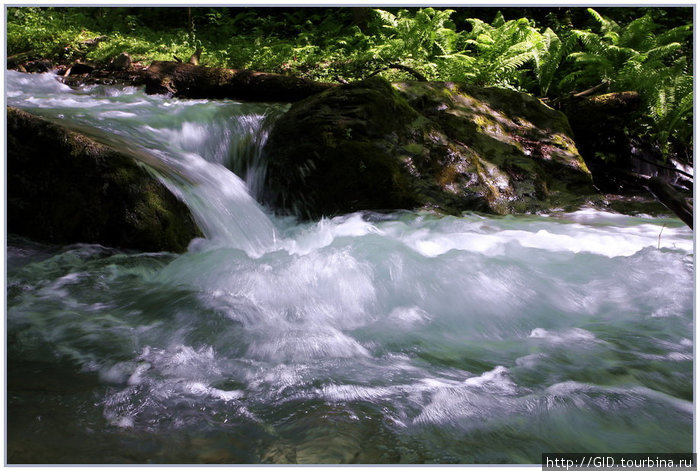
x: 661, y: 52
x: 498, y: 20
x: 587, y: 58
x: 611, y: 37
x: 548, y: 55
x: 387, y: 18
x: 639, y: 34
x: 590, y: 41
x: 570, y: 79
x: 677, y: 34
x: 606, y: 24
x: 478, y: 26
x: 512, y: 62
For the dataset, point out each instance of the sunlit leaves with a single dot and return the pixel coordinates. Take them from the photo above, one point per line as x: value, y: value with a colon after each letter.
x: 327, y: 45
x: 635, y: 57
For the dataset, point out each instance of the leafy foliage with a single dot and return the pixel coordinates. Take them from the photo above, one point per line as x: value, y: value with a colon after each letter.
x: 642, y: 52
x: 46, y: 33
x: 636, y: 57
x: 502, y: 49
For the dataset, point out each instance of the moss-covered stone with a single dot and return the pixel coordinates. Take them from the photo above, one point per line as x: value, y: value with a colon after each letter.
x: 337, y: 152
x: 451, y: 147
x: 64, y: 187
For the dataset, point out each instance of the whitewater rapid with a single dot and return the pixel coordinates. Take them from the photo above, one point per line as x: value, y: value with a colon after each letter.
x: 405, y: 337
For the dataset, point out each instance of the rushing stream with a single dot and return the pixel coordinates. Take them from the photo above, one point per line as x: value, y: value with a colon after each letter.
x: 368, y: 338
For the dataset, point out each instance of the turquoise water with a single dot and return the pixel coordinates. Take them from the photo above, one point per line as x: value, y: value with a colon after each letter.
x: 366, y: 338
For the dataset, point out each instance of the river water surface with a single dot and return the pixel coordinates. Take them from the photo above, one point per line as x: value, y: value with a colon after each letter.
x: 366, y: 338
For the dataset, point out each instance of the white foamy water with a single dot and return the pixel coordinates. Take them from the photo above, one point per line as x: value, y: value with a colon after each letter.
x: 192, y: 138
x: 392, y: 338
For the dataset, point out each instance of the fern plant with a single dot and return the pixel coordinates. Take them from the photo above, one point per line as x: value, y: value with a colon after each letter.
x: 667, y: 94
x: 549, y: 53
x: 634, y: 57
x: 425, y: 40
x: 501, y: 49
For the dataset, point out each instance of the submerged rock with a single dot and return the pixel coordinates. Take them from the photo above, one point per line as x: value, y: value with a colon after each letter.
x: 447, y: 146
x: 64, y: 187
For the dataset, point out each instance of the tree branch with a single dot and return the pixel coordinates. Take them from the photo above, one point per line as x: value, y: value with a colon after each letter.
x: 591, y: 90
x: 672, y: 199
x: 667, y: 167
x: 665, y: 194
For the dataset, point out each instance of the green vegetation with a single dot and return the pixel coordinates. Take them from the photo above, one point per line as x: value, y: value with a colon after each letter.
x: 543, y: 53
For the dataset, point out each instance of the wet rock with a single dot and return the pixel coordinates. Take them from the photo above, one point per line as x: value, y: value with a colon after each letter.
x: 132, y: 76
x: 16, y: 60
x: 373, y: 145
x: 38, y: 66
x: 279, y: 453
x: 340, y: 151
x: 63, y: 187
x: 122, y: 61
x: 632, y: 205
x: 80, y: 68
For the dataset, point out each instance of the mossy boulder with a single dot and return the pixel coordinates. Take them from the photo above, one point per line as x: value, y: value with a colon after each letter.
x: 374, y: 145
x: 338, y: 151
x: 63, y: 187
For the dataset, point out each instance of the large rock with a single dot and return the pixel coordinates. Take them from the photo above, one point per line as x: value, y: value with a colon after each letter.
x: 451, y: 147
x: 64, y: 187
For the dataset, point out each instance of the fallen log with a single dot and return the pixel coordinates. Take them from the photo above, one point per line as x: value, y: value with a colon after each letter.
x: 194, y: 81
x: 665, y: 194
x: 672, y: 199
x: 16, y: 60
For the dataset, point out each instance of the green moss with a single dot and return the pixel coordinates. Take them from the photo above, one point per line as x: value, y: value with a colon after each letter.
x: 564, y: 142
x: 413, y: 148
x: 86, y: 192
x: 371, y: 146
x: 483, y: 122
x: 122, y: 176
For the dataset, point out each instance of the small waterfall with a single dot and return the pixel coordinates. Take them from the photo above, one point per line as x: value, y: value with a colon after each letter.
x: 201, y: 150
